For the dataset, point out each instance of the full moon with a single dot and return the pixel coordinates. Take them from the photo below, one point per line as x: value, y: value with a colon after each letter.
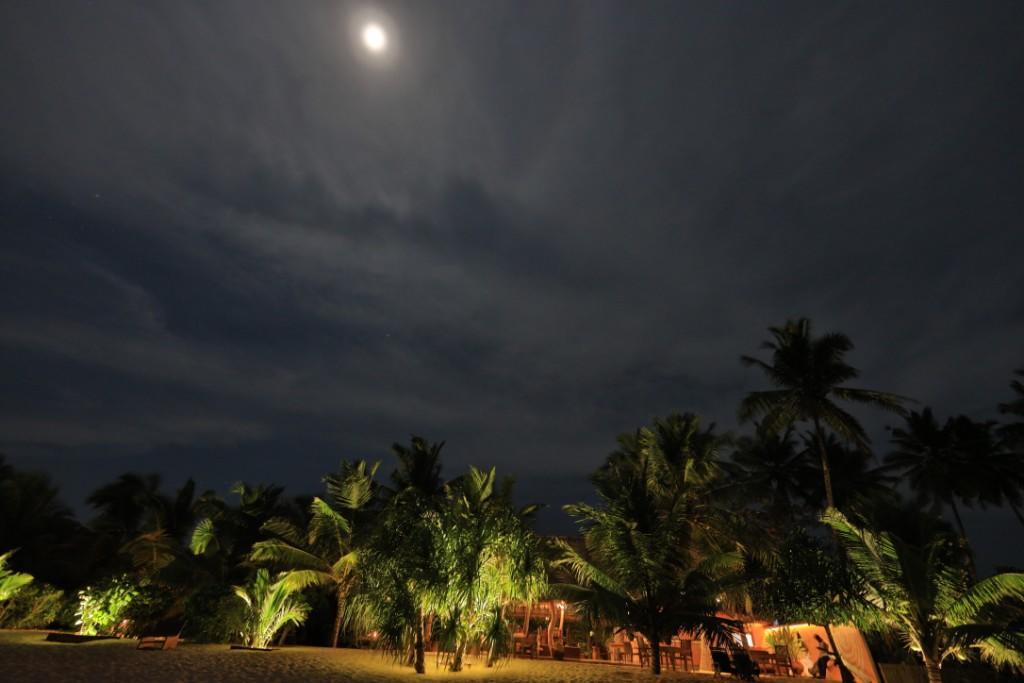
x: 374, y: 38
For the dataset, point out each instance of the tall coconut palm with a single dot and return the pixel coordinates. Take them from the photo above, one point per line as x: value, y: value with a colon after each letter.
x: 325, y: 552
x: 924, y: 592
x: 995, y: 468
x: 956, y: 463
x: 649, y: 561
x: 859, y: 483
x: 809, y: 375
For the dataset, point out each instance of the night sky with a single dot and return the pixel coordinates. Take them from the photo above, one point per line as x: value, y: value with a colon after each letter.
x: 236, y: 246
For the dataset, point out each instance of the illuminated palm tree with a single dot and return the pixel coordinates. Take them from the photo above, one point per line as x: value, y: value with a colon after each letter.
x: 923, y: 591
x: 324, y: 553
x: 489, y: 558
x: 400, y: 581
x: 809, y: 375
x: 272, y: 605
x: 647, y: 562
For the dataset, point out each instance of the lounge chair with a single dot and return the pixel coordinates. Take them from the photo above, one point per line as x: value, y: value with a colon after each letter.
x: 163, y: 636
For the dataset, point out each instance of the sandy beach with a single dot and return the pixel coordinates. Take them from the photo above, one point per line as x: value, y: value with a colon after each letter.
x: 26, y: 658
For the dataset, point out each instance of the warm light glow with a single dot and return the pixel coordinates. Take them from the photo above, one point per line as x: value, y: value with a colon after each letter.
x: 374, y: 38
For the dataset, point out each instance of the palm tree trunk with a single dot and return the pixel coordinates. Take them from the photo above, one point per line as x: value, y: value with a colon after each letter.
x: 456, y: 664
x: 963, y: 535
x: 420, y: 655
x: 338, y: 611
x: 932, y: 670
x: 844, y: 673
x: 653, y: 639
x: 826, y: 473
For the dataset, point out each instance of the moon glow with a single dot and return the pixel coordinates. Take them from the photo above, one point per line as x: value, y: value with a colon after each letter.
x: 375, y: 39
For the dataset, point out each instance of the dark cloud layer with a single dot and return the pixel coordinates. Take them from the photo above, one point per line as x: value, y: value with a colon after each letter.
x: 234, y: 248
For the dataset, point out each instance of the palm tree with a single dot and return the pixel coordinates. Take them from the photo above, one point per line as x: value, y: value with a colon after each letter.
x: 271, y: 605
x: 859, y: 483
x: 401, y: 582
x: 923, y: 591
x: 1013, y: 433
x: 770, y: 469
x: 959, y: 461
x: 324, y: 553
x: 489, y: 559
x: 647, y: 562
x: 225, y: 534
x: 53, y: 547
x: 809, y: 374
x: 997, y: 471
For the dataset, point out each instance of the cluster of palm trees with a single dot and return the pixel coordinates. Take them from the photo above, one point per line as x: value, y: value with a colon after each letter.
x: 690, y: 523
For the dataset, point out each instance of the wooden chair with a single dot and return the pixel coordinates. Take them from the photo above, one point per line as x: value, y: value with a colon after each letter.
x: 686, y: 654
x: 782, y: 661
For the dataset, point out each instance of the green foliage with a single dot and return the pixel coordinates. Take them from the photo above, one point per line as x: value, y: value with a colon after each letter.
x: 148, y: 607
x: 784, y: 637
x: 489, y: 558
x: 11, y: 582
x: 102, y: 608
x: 214, y: 614
x: 921, y: 589
x: 272, y: 605
x: 35, y: 606
x: 805, y: 582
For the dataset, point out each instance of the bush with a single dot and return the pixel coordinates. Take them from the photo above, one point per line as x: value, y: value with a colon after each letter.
x: 38, y: 606
x: 214, y: 615
x: 103, y: 608
x: 150, y: 606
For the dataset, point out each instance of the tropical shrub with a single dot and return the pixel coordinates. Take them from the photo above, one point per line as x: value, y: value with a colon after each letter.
x: 36, y: 606
x: 214, y: 614
x: 784, y: 637
x: 103, y: 608
x: 272, y: 605
x: 11, y: 582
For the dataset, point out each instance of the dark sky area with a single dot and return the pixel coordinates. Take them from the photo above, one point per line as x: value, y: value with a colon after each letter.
x: 236, y: 247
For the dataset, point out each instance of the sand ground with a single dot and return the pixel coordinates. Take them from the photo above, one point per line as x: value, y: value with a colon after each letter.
x: 26, y: 658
